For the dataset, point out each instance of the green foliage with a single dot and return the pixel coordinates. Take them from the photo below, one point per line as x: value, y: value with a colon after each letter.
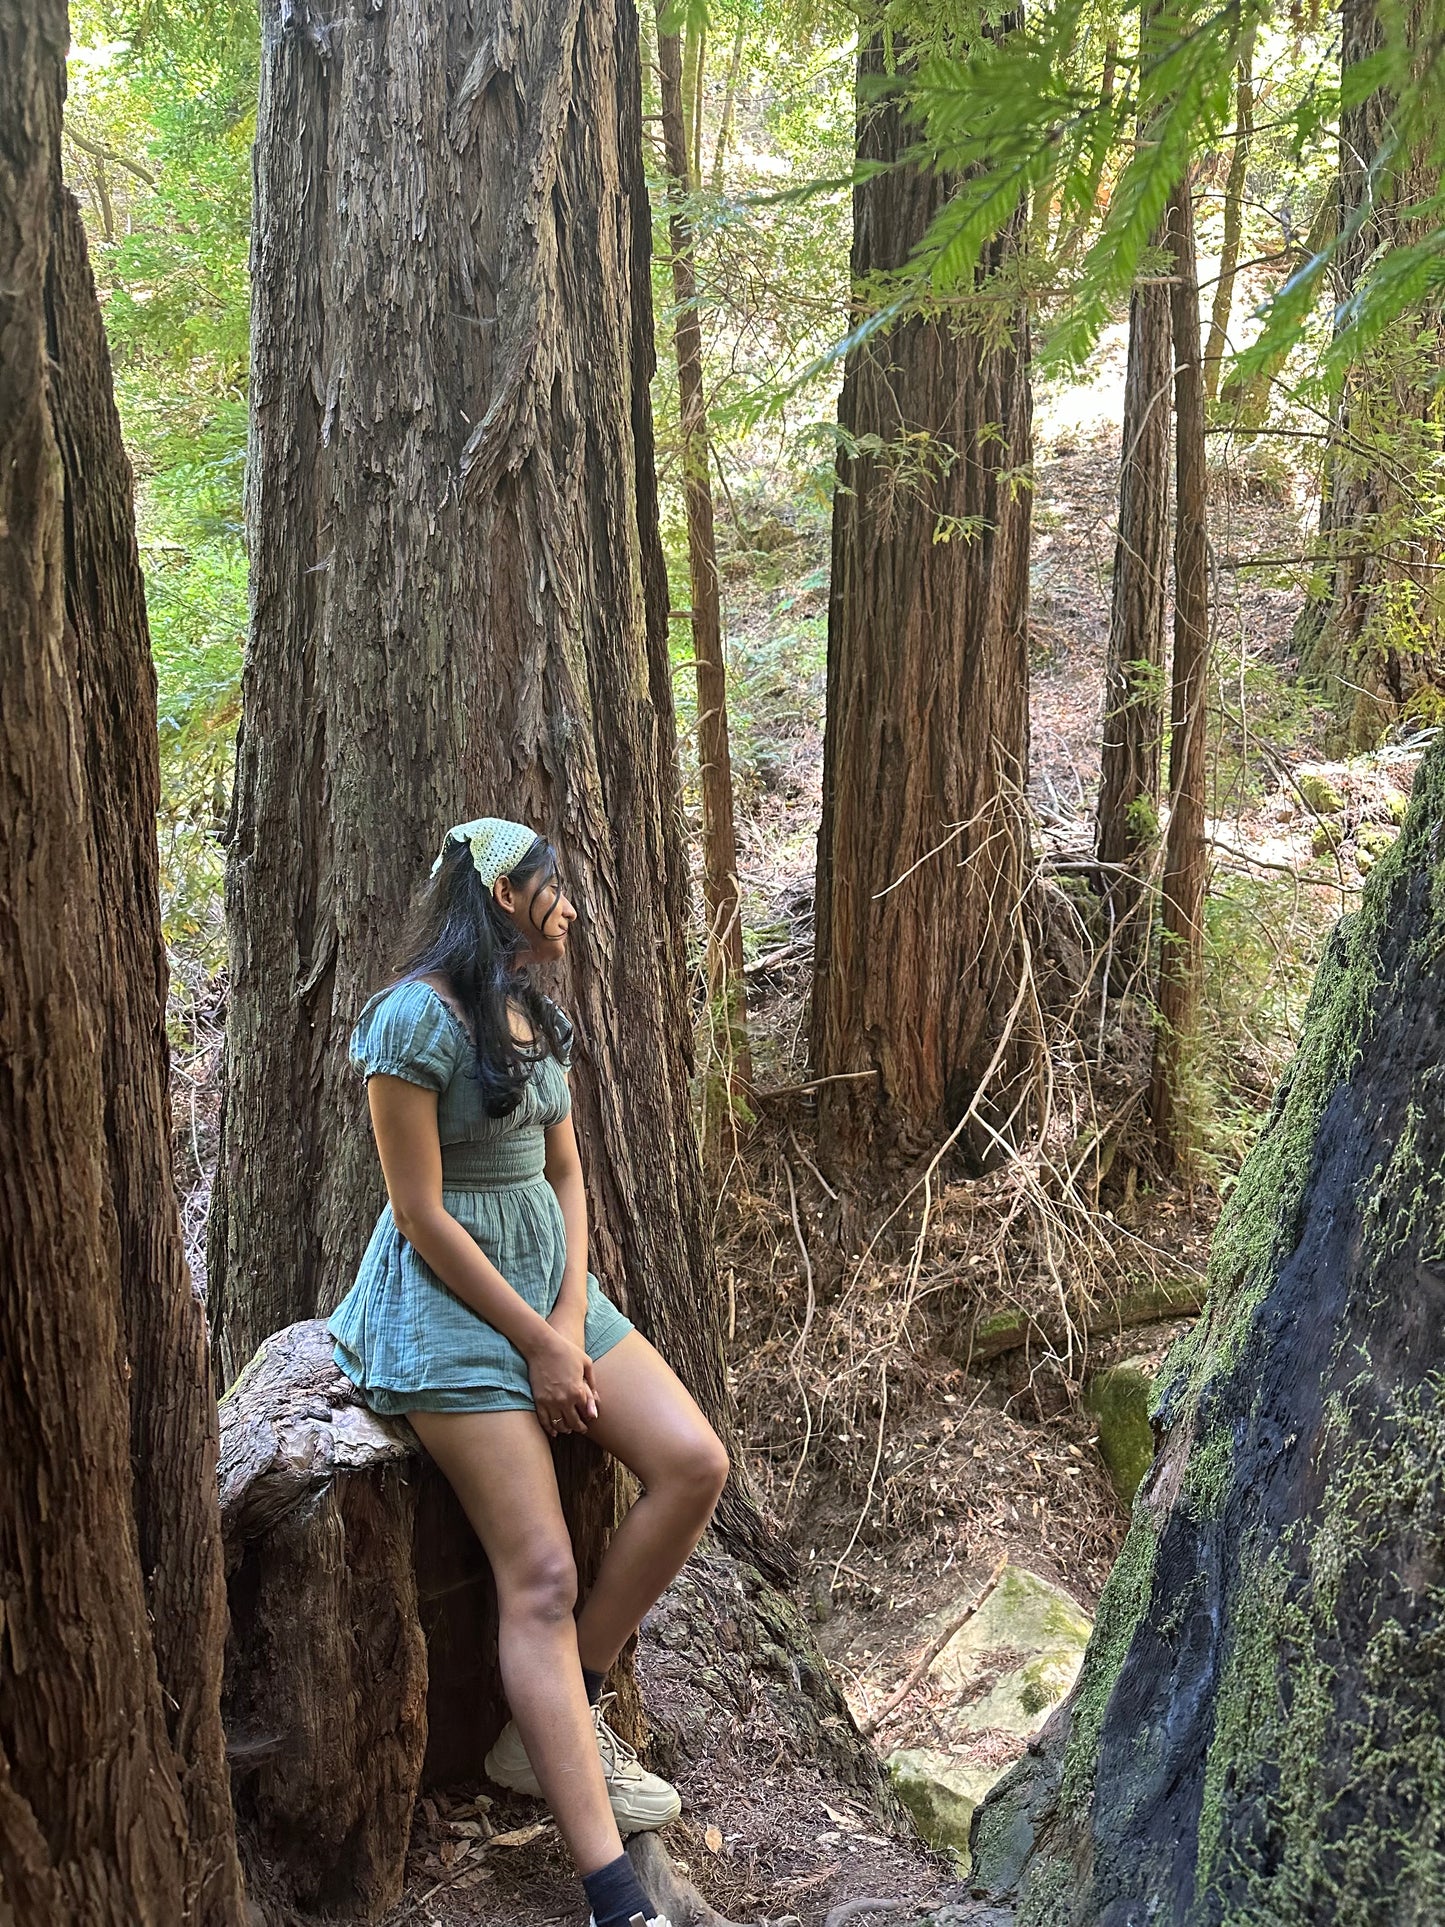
x: 160, y: 121
x: 1019, y: 114
x: 1142, y: 817
x: 1262, y: 942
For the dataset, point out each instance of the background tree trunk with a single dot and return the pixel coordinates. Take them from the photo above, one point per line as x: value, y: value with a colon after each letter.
x: 729, y: 106
x: 114, y: 1802
x: 694, y: 66
x: 1255, y: 1734
x: 1222, y: 306
x: 921, y: 847
x: 727, y: 991
x: 1185, y: 851
x: 1134, y: 680
x: 1375, y: 633
x: 459, y: 606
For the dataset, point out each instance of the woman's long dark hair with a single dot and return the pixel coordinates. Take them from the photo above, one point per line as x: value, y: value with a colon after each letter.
x: 460, y: 933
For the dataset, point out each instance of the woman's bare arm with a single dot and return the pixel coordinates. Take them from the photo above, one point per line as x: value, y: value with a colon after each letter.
x: 563, y: 1171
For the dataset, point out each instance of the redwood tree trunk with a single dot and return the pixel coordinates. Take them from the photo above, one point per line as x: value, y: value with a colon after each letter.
x: 114, y: 1802
x: 458, y: 607
x: 721, y: 897
x: 1223, y: 304
x: 922, y: 845
x: 1255, y: 1735
x: 1375, y: 634
x: 1134, y: 682
x: 1185, y: 851
x: 729, y: 106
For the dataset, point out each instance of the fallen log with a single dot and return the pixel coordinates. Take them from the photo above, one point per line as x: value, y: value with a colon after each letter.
x: 1143, y: 1304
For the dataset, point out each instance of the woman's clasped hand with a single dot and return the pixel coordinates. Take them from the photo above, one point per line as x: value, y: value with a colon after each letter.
x: 564, y: 1382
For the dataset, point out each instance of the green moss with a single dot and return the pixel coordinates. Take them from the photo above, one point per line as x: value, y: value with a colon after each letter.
x: 1261, y: 1223
x: 1125, y: 1598
x: 1119, y: 1398
x: 1407, y: 1205
x: 1319, y: 793
x: 1207, y: 1479
x: 1327, y: 839
x: 1290, y: 1737
x: 1046, y: 1901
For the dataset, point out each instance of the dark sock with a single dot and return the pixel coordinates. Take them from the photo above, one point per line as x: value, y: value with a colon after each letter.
x: 594, y: 1682
x: 615, y: 1895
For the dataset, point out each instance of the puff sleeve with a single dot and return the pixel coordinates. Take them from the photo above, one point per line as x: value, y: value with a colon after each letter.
x: 568, y: 1034
x: 407, y: 1032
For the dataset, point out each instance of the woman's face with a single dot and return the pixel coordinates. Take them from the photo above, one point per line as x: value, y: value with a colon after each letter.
x: 541, y: 911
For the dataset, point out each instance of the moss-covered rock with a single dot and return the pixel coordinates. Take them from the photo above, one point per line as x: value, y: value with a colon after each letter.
x: 1319, y: 793
x: 1013, y: 1662
x: 1119, y: 1396
x: 1327, y: 839
x: 941, y: 1793
x: 1371, y: 842
x: 1256, y: 1732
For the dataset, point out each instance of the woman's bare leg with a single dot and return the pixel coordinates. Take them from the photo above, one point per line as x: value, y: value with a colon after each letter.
x: 499, y: 1464
x: 647, y: 1418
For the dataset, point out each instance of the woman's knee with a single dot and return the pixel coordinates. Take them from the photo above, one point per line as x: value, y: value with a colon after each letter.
x: 540, y: 1584
x: 701, y: 1469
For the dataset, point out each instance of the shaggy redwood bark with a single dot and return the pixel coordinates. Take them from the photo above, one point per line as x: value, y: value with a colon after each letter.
x: 1255, y: 1735
x: 721, y: 897
x: 458, y: 607
x: 921, y: 847
x: 114, y: 1803
x: 1134, y: 680
x: 1186, y: 855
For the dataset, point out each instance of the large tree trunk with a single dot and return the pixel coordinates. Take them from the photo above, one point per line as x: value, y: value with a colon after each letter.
x: 114, y: 1802
x: 1375, y: 634
x: 1255, y: 1735
x: 1186, y: 854
x: 458, y: 606
x: 358, y: 686
x: 1134, y: 679
x: 922, y: 844
x: 722, y: 905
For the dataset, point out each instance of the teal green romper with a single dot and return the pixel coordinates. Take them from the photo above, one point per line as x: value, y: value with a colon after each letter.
x: 408, y: 1342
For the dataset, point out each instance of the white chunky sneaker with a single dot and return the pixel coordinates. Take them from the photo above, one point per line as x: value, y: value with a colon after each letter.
x: 508, y: 1765
x: 640, y: 1800
x: 657, y: 1920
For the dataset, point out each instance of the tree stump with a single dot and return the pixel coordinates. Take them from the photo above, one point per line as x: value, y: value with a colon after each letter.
x: 362, y: 1659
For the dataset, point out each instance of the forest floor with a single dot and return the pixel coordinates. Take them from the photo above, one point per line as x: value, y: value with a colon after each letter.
x: 903, y: 1471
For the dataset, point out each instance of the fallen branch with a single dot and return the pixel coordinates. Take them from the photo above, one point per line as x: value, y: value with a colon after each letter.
x: 801, y: 947
x: 793, y: 1090
x: 669, y: 1892
x: 1010, y: 1331
x: 855, y: 1909
x: 870, y: 1726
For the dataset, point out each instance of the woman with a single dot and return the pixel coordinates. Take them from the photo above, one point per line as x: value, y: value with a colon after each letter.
x: 475, y: 1315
